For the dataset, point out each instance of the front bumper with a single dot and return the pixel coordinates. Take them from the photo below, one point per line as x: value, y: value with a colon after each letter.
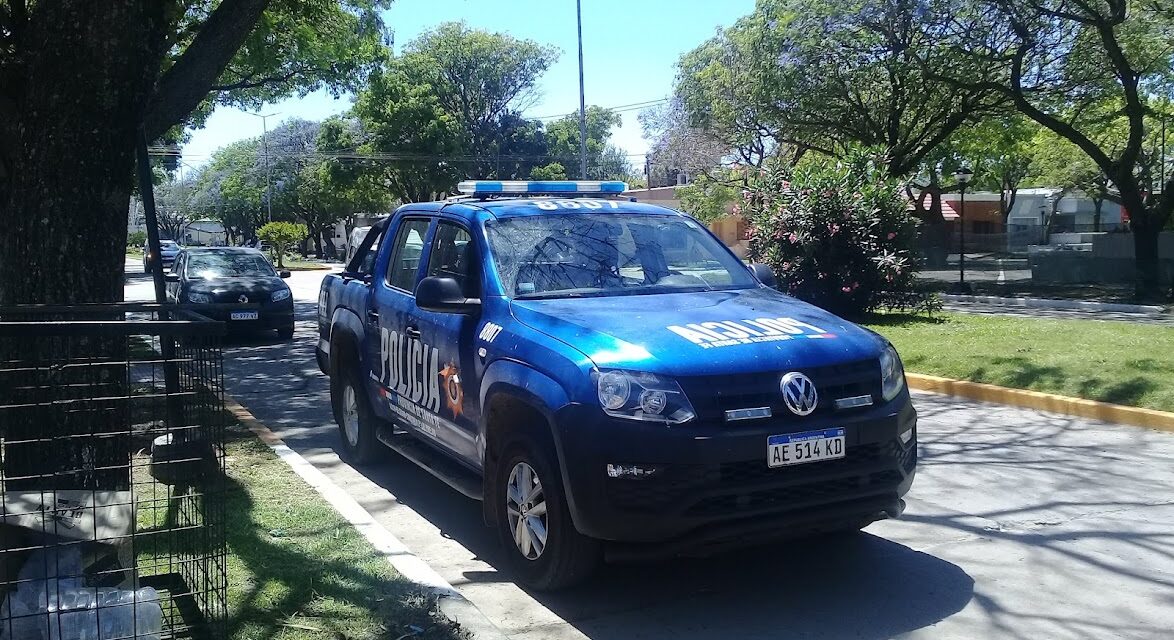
x: 279, y: 315
x: 712, y: 486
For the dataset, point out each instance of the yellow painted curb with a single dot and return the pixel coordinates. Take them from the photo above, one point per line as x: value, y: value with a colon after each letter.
x: 1137, y: 416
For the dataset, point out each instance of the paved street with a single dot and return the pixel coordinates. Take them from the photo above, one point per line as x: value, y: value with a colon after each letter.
x: 1020, y: 525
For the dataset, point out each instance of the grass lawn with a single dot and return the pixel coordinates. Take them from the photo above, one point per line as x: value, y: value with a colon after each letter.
x: 293, y: 264
x: 1118, y: 362
x: 298, y: 571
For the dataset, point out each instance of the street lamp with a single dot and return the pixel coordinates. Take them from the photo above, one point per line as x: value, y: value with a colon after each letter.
x: 582, y: 97
x: 265, y: 150
x: 962, y: 176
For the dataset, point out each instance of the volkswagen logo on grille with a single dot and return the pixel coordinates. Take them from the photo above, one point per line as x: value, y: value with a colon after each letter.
x: 799, y: 393
x: 243, y: 299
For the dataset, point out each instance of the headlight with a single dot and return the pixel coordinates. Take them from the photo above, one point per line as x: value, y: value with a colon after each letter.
x: 642, y: 396
x: 892, y: 373
x: 198, y: 298
x: 279, y: 295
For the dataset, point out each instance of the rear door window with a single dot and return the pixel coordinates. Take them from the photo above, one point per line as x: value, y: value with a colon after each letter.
x: 405, y: 257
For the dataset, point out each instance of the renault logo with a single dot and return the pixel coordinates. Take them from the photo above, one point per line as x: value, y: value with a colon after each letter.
x: 799, y: 393
x: 243, y: 299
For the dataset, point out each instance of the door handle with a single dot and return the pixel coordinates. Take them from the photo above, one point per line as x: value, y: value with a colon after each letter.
x: 413, y: 332
x: 373, y: 315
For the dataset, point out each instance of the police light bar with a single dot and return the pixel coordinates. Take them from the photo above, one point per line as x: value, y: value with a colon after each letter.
x: 541, y: 187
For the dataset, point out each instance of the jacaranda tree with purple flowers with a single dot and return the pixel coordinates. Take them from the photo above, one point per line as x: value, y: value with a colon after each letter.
x: 837, y: 233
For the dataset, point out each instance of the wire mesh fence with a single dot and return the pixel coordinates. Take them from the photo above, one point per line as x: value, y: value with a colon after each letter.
x: 111, y: 473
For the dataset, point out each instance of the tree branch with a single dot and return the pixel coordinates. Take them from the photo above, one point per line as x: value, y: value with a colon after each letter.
x: 253, y: 84
x: 189, y: 80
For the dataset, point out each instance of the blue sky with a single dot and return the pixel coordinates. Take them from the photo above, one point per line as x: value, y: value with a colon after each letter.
x: 630, y: 48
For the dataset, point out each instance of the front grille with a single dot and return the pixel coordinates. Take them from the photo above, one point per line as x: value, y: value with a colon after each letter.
x: 255, y: 297
x: 742, y: 487
x: 712, y: 396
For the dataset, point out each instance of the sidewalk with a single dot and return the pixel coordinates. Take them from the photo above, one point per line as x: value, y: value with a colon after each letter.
x: 987, y: 308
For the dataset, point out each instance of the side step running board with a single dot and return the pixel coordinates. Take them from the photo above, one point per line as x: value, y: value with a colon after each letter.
x: 432, y: 461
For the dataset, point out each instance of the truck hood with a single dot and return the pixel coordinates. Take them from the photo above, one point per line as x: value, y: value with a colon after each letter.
x: 702, y: 333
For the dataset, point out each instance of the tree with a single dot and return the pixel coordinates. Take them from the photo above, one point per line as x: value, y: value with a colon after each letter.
x: 479, y: 78
x: 604, y: 161
x: 1076, y: 67
x: 552, y: 171
x: 831, y: 75
x: 79, y: 81
x: 447, y: 109
x: 713, y: 195
x: 1000, y: 151
x: 230, y: 189
x: 173, y: 207
x: 677, y: 147
x: 281, y: 237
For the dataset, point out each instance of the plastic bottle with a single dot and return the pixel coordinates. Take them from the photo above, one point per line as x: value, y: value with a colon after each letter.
x: 45, y: 607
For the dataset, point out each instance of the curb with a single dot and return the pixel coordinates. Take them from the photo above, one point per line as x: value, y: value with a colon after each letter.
x: 1047, y: 303
x: 1103, y: 411
x: 451, y: 603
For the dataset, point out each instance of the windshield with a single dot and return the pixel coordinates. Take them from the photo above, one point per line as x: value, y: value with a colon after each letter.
x: 609, y: 254
x: 220, y: 265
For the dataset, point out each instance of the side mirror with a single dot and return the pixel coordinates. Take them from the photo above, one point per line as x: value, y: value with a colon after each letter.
x: 444, y: 295
x: 283, y: 274
x: 764, y: 274
x: 171, y: 277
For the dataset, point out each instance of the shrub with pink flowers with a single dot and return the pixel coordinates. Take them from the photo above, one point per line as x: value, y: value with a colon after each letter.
x: 836, y: 232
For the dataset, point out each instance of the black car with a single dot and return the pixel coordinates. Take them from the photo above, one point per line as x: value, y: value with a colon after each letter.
x: 234, y: 275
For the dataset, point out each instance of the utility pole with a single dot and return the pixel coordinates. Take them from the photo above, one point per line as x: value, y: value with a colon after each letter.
x: 582, y: 98
x: 265, y: 151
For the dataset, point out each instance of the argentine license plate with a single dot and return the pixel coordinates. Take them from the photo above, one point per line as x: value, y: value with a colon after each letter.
x: 244, y: 315
x: 800, y: 448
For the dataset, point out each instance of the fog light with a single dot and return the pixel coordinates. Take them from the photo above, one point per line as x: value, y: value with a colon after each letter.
x: 907, y: 436
x: 630, y: 471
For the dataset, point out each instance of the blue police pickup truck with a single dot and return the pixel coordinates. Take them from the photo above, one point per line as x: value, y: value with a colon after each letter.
x: 608, y: 379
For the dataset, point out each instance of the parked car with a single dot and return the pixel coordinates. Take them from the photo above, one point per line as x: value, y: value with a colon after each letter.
x: 605, y: 375
x: 168, y: 249
x: 234, y: 275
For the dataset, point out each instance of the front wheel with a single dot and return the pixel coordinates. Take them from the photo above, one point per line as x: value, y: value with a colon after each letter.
x: 356, y: 423
x: 541, y: 543
x: 285, y: 333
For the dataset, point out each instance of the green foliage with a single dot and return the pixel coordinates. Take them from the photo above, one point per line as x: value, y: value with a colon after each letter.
x: 136, y: 239
x: 827, y: 74
x: 297, y: 46
x: 604, y: 162
x: 448, y: 109
x: 281, y: 237
x: 552, y: 171
x: 710, y: 197
x: 836, y: 233
x: 1000, y: 150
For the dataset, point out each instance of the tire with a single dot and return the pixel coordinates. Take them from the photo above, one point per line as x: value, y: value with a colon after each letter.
x: 567, y: 557
x: 285, y: 333
x: 356, y: 423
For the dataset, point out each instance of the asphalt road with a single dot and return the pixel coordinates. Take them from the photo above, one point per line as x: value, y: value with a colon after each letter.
x: 1020, y: 525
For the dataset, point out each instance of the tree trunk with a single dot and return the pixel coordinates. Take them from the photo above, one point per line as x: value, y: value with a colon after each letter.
x: 65, y: 199
x: 66, y: 170
x: 1096, y: 214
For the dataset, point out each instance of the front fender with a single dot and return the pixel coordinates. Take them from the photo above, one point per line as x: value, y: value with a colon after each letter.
x: 540, y: 392
x: 345, y: 326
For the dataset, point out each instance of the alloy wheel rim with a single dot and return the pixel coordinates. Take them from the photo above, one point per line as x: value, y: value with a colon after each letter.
x: 350, y: 415
x: 526, y: 510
